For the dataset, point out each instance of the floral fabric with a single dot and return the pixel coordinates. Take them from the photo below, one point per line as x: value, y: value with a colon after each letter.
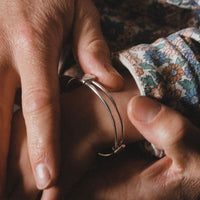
x: 167, y: 69
x: 185, y: 3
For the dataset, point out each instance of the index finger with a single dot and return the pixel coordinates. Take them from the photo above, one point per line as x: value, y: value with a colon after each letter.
x: 40, y: 103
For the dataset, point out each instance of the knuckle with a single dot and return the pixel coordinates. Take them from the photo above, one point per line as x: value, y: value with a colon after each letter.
x: 37, y: 100
x: 38, y: 153
x: 99, y: 46
x: 25, y: 33
x: 38, y: 156
x: 25, y: 37
x: 37, y: 34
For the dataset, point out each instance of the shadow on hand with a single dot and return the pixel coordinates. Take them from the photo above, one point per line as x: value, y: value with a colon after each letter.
x: 112, y: 177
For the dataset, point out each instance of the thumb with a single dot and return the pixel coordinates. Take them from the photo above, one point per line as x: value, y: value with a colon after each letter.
x: 90, y: 47
x: 164, y: 127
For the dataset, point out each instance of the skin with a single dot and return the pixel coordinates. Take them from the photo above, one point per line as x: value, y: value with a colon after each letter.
x: 32, y: 36
x: 86, y: 130
x: 133, y: 174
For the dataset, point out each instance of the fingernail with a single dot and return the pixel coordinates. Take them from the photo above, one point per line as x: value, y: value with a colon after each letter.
x: 144, y: 109
x: 43, y: 178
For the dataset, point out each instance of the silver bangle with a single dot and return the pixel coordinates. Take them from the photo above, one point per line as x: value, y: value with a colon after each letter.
x: 89, y: 81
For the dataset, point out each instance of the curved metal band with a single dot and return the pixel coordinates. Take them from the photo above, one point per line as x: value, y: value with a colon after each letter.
x: 89, y: 81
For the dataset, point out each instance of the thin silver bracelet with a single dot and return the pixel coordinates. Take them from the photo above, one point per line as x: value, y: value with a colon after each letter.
x: 89, y: 81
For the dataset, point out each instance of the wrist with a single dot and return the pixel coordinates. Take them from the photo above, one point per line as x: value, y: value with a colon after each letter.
x: 93, y: 118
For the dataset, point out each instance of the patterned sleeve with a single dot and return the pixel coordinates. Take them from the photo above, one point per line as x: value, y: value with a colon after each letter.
x: 169, y: 70
x: 190, y: 4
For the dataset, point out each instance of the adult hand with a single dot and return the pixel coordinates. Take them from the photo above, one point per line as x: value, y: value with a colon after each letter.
x: 176, y: 176
x: 136, y: 176
x: 32, y: 34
